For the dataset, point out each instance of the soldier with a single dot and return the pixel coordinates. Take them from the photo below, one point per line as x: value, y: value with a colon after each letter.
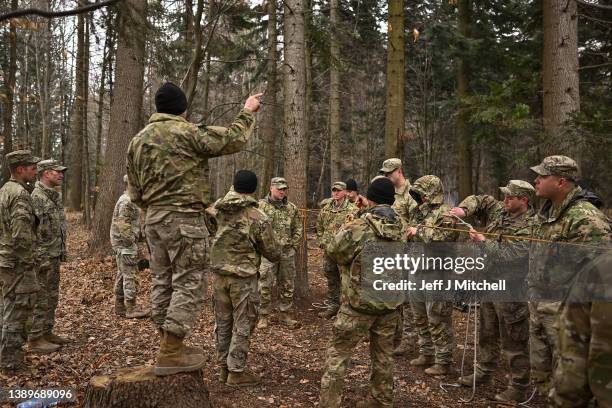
x: 432, y: 319
x: 568, y: 215
x: 359, y: 315
x: 51, y: 251
x: 288, y: 233
x: 505, y: 321
x: 17, y: 257
x: 403, y: 205
x: 167, y: 165
x: 124, y: 234
x: 244, y: 233
x: 352, y: 194
x: 331, y: 217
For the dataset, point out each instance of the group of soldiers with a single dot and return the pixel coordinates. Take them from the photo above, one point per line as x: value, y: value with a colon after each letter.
x: 246, y: 244
x: 32, y: 246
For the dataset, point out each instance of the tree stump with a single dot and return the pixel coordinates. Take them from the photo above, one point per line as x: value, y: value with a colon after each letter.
x: 138, y: 387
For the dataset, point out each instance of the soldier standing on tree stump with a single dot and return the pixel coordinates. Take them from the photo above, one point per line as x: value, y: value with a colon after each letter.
x: 167, y: 166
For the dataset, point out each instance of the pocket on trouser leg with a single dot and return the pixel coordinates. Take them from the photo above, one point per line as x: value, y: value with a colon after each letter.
x: 193, y: 246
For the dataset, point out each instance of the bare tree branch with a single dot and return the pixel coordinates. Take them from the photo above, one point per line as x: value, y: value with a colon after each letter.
x: 53, y: 14
x: 601, y: 6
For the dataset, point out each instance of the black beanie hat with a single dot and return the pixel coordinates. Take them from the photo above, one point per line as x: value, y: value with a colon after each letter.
x: 245, y: 181
x: 351, y: 185
x: 381, y: 191
x: 171, y: 99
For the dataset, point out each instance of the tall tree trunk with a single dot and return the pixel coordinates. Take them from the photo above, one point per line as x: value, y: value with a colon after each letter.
x: 464, y: 139
x: 86, y: 162
x: 269, y: 113
x: 394, y: 118
x: 125, y: 120
x: 560, y: 68
x: 294, y: 120
x: 75, y: 171
x: 9, y: 90
x: 334, y: 95
x: 308, y: 74
x: 194, y: 30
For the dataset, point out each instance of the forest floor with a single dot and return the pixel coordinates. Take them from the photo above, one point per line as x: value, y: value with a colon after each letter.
x: 290, y: 362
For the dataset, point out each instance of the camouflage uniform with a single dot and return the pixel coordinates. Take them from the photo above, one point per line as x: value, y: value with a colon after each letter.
x: 576, y: 219
x: 167, y: 168
x: 507, y: 322
x: 359, y: 318
x: 244, y: 233
x: 288, y: 234
x: 17, y: 263
x: 50, y: 251
x: 124, y: 233
x: 331, y: 217
x: 432, y: 319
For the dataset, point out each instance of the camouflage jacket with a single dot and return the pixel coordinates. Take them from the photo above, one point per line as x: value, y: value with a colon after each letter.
x: 167, y: 161
x: 243, y: 234
x: 331, y: 218
x: 18, y: 233
x: 376, y: 224
x: 575, y: 220
x: 51, y: 232
x: 404, y: 204
x: 432, y: 213
x: 125, y: 226
x: 285, y: 222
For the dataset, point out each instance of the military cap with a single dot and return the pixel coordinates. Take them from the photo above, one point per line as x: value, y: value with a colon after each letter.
x: 125, y: 178
x: 339, y: 185
x: 49, y: 164
x: 518, y: 188
x: 561, y: 166
x: 390, y: 165
x: 279, y: 183
x: 21, y: 157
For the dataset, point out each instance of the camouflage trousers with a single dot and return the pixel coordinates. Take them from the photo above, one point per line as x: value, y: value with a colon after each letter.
x: 507, y: 323
x: 47, y: 299
x: 350, y: 327
x: 434, y: 325
x: 405, y: 326
x: 332, y: 273
x: 18, y: 300
x: 584, y: 370
x: 236, y: 305
x: 126, y: 280
x: 177, y: 245
x: 543, y: 338
x: 284, y: 274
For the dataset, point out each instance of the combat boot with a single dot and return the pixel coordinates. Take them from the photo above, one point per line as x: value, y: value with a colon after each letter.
x: 172, y: 357
x: 406, y: 345
x: 438, y: 369
x: 242, y: 379
x: 132, y: 311
x: 41, y: 346
x: 422, y: 360
x: 55, y: 339
x: 286, y: 319
x: 328, y: 313
x: 369, y: 403
x: 223, y: 374
x: 263, y: 322
x: 119, y: 307
x: 468, y: 380
x: 511, y: 394
x: 187, y: 349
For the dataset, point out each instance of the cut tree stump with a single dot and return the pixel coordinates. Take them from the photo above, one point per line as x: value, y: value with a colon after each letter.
x: 138, y: 387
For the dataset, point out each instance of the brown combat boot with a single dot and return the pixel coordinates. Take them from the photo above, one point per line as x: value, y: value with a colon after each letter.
x: 187, y: 349
x: 286, y: 319
x: 55, y: 339
x: 263, y: 322
x: 511, y: 394
x: 406, y: 345
x: 422, y: 361
x: 438, y: 369
x: 328, y: 313
x: 132, y: 311
x: 172, y: 357
x: 119, y: 307
x: 41, y: 346
x: 242, y: 379
x: 468, y: 380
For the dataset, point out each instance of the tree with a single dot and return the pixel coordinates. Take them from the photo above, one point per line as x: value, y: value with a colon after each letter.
x: 394, y: 118
x: 334, y: 94
x: 560, y: 68
x: 125, y: 114
x: 294, y: 84
x: 464, y: 139
x: 9, y: 90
